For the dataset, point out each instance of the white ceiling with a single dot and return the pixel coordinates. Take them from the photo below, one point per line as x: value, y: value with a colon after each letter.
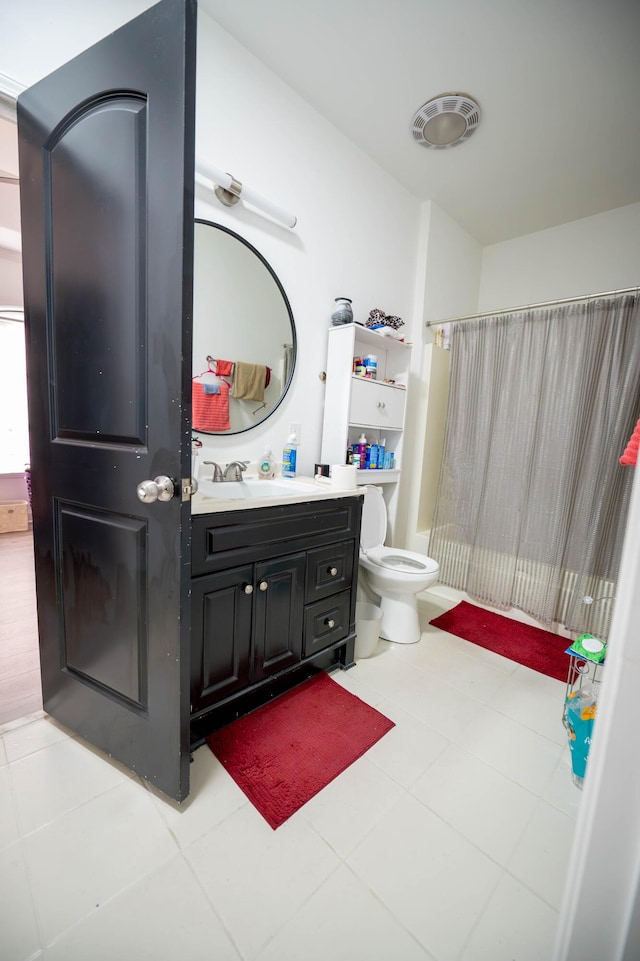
x: 558, y: 83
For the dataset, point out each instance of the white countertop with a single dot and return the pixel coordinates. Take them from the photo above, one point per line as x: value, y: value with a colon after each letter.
x: 303, y: 489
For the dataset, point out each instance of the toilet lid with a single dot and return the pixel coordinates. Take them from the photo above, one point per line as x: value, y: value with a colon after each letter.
x: 374, y: 519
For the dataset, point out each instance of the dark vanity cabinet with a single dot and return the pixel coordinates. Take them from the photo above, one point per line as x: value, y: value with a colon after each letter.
x: 273, y: 600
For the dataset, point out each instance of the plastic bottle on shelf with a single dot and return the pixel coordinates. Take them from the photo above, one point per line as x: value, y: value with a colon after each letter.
x: 381, y: 452
x: 371, y: 366
x: 361, y: 450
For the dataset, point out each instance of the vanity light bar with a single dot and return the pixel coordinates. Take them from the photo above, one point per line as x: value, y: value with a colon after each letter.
x: 229, y: 191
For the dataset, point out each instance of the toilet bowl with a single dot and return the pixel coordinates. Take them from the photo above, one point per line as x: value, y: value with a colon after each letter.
x: 395, y: 576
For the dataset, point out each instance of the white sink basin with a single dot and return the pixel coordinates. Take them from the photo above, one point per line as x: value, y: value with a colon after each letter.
x: 252, y: 487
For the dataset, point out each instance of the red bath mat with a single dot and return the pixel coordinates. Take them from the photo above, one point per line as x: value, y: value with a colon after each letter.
x: 531, y: 646
x: 284, y: 753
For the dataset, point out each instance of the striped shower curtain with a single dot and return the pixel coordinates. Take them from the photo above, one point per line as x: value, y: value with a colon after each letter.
x: 532, y: 500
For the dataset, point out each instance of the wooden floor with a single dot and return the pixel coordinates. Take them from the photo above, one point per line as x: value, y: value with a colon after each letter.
x: 19, y: 665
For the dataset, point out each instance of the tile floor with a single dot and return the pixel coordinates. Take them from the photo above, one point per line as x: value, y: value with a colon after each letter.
x: 447, y: 841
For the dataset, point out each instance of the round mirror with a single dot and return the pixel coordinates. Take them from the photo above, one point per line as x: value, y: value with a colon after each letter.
x: 244, y: 339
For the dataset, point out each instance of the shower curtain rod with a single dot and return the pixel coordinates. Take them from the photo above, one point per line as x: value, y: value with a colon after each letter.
x: 517, y: 310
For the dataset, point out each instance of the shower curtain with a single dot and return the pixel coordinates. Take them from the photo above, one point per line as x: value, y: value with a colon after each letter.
x: 532, y: 500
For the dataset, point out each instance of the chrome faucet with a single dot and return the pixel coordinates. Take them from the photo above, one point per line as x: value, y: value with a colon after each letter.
x: 233, y: 471
x: 217, y: 470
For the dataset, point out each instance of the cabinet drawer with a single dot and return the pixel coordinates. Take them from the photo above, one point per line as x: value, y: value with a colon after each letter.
x: 378, y: 405
x: 228, y: 539
x: 325, y: 622
x: 329, y: 569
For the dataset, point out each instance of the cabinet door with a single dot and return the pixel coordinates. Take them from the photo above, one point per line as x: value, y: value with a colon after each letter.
x: 221, y: 635
x: 279, y: 602
x: 376, y: 405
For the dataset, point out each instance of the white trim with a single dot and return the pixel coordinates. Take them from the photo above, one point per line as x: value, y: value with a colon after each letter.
x: 10, y: 88
x: 9, y: 92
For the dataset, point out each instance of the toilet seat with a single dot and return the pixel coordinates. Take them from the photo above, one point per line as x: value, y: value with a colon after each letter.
x: 372, y: 537
x: 406, y: 562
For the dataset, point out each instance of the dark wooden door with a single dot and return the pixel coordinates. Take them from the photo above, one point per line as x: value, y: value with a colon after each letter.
x: 279, y: 610
x: 222, y: 606
x: 106, y: 173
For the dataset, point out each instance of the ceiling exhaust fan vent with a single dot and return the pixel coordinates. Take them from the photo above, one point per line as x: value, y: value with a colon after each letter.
x: 445, y: 121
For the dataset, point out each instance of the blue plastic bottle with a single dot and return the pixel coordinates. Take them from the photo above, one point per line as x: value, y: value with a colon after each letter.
x: 289, y: 456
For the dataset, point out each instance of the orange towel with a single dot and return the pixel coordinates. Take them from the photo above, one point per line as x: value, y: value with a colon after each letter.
x: 630, y: 456
x: 210, y: 412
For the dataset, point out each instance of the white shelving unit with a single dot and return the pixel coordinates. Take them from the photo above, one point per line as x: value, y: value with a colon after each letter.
x: 354, y: 404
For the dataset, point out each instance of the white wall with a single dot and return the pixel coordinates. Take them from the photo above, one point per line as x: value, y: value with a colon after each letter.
x: 357, y: 229
x: 586, y: 256
x: 449, y: 276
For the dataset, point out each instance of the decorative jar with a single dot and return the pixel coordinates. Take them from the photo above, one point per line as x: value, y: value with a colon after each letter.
x: 342, y: 312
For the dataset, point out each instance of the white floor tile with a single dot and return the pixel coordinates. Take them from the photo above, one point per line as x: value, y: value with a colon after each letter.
x: 343, y: 921
x: 257, y: 878
x: 28, y: 738
x: 437, y: 704
x: 352, y: 681
x: 535, y: 701
x: 510, y: 747
x: 386, y: 672
x: 433, y: 880
x: 163, y: 916
x: 446, y: 662
x: 88, y: 855
x: 447, y: 841
x: 19, y: 937
x: 561, y: 791
x: 542, y: 854
x: 346, y: 810
x: 486, y: 807
x: 8, y: 815
x: 408, y: 749
x: 517, y: 926
x: 57, y: 779
x: 214, y: 796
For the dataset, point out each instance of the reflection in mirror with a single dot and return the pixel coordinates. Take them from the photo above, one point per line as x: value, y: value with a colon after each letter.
x: 244, y: 342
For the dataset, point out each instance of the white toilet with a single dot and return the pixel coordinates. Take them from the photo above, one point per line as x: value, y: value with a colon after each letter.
x: 396, y: 576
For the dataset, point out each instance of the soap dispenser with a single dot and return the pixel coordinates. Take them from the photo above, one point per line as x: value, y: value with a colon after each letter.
x: 266, y: 467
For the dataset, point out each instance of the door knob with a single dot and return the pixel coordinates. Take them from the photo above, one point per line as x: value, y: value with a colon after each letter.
x: 247, y: 588
x: 263, y: 585
x: 160, y: 489
x: 332, y: 570
x: 330, y: 622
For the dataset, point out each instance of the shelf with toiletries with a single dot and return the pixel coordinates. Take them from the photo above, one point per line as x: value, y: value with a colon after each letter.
x: 365, y: 396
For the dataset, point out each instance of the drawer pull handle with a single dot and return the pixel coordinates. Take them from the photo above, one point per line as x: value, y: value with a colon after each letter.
x: 263, y: 585
x: 330, y: 622
x: 381, y: 404
x: 332, y: 570
x: 247, y: 588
